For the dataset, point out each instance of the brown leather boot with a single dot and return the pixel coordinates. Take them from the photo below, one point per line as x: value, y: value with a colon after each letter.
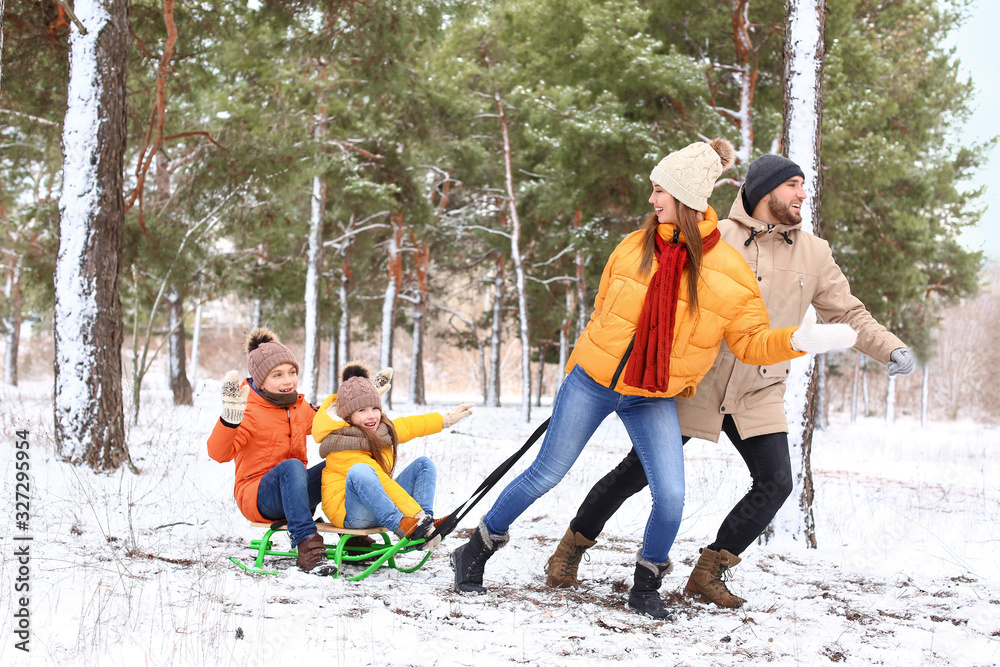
x: 565, y: 562
x: 312, y: 552
x: 707, y: 580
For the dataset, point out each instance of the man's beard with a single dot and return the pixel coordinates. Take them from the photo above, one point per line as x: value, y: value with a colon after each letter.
x: 783, y: 213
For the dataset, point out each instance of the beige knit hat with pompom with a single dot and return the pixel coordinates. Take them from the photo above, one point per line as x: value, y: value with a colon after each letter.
x: 689, y: 174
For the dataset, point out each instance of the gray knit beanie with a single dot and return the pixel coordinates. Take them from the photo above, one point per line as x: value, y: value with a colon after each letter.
x: 356, y: 390
x: 264, y: 353
x: 765, y: 174
x: 689, y: 175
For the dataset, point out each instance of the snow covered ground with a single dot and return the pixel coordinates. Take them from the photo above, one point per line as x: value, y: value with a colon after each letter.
x: 129, y: 569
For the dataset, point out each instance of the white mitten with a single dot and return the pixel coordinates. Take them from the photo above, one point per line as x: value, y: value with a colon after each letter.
x: 816, y: 338
x: 234, y: 398
x: 457, y: 415
x: 383, y: 380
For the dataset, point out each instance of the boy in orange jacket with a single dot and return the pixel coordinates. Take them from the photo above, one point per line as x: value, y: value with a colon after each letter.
x: 264, y: 425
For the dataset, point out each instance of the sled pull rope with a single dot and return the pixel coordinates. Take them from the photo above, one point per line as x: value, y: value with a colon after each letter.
x: 451, y: 521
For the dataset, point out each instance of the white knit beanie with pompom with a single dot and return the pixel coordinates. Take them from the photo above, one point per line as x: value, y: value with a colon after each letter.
x: 689, y: 174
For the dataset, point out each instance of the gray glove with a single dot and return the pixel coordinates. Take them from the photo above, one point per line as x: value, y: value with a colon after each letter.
x: 234, y: 398
x: 901, y: 362
x: 819, y: 338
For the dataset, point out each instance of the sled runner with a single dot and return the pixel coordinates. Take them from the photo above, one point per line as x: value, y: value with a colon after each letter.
x: 373, y: 557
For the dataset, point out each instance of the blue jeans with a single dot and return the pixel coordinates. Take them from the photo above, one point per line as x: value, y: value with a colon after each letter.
x: 288, y: 491
x: 580, y: 407
x: 367, y: 504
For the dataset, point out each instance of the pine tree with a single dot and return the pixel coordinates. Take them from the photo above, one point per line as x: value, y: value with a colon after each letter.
x: 89, y: 419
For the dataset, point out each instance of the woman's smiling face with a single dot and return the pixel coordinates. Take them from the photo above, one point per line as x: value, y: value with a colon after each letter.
x: 664, y: 205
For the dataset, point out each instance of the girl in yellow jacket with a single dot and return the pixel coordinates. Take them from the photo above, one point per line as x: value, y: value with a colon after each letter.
x: 669, y: 294
x: 358, y: 489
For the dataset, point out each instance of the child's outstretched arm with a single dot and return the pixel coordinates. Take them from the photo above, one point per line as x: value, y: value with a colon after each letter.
x: 456, y: 415
x: 416, y: 426
x: 222, y: 443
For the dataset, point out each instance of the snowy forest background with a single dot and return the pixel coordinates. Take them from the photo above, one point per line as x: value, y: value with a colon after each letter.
x: 435, y: 186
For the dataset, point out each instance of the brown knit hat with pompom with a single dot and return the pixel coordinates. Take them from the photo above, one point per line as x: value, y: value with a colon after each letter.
x: 264, y: 353
x: 356, y: 391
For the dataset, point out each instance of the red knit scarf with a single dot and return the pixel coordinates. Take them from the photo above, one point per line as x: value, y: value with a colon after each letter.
x: 649, y: 366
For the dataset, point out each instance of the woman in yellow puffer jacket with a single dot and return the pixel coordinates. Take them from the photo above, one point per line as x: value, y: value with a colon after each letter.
x: 669, y: 294
x: 358, y: 487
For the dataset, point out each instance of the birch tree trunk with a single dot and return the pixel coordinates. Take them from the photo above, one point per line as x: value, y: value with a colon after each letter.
x: 195, y: 346
x: 393, y: 285
x: 343, y: 331
x: 89, y: 413
x: 801, y: 142
x: 925, y: 388
x: 314, y: 269
x: 564, y: 332
x: 314, y: 254
x: 344, y: 325
x: 332, y: 363
x: 822, y: 419
x: 747, y: 75
x: 515, y: 254
x: 493, y: 389
x: 12, y: 320
x: 890, y: 401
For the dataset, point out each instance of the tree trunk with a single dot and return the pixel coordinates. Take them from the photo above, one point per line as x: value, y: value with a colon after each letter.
x: 582, y: 305
x: 314, y: 254
x: 417, y: 355
x: 925, y: 388
x: 890, y: 401
x: 800, y: 141
x: 12, y: 342
x: 344, y: 326
x: 332, y: 363
x: 864, y: 387
x: 12, y: 321
x: 1, y: 44
x: 564, y: 332
x: 422, y: 260
x: 89, y: 414
x: 314, y: 270
x: 539, y: 380
x: 747, y: 68
x: 822, y: 419
x: 343, y: 333
x: 394, y: 283
x: 515, y: 254
x: 854, y: 386
x: 493, y: 390
x: 176, y: 349
x: 195, y: 347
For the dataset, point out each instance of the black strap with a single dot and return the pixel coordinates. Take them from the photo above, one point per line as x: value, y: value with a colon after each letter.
x: 451, y: 521
x: 621, y: 364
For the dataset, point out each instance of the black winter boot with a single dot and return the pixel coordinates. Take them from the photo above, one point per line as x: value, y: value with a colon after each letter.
x: 469, y: 559
x: 645, y: 597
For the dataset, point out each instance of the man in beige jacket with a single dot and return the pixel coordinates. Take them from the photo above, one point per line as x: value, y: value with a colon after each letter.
x: 794, y: 270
